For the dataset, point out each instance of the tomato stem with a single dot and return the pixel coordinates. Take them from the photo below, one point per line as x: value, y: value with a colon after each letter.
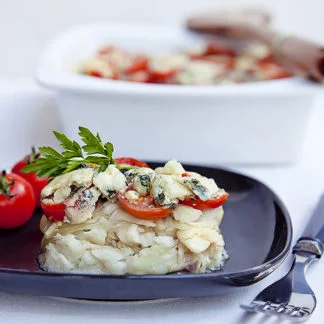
x: 5, y: 185
x: 33, y: 156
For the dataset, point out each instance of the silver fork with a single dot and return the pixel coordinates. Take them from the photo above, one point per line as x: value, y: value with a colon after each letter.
x: 291, y: 296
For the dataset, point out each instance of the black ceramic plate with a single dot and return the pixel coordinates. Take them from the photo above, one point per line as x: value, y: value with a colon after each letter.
x: 256, y: 228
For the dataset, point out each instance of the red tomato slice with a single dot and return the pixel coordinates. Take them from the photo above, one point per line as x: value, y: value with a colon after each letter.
x: 95, y: 74
x: 37, y: 183
x: 143, y: 207
x: 215, y: 48
x: 267, y: 59
x: 272, y: 70
x: 201, y: 205
x: 98, y: 74
x: 54, y: 212
x: 139, y: 63
x: 161, y: 76
x: 131, y: 161
x: 279, y: 75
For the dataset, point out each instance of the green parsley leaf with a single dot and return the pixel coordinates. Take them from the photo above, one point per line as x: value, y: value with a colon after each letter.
x: 52, y: 163
x: 93, y: 143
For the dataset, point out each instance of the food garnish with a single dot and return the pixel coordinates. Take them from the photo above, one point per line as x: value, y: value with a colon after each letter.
x: 51, y: 163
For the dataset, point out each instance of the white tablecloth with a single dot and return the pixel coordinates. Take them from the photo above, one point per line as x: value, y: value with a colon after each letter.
x: 299, y: 187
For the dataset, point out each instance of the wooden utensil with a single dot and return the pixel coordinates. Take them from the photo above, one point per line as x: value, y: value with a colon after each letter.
x: 299, y: 56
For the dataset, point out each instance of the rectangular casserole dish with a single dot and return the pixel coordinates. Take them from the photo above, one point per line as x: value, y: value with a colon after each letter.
x: 254, y: 123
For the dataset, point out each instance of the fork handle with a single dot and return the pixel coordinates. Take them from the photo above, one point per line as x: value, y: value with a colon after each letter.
x: 312, y: 239
x: 308, y: 246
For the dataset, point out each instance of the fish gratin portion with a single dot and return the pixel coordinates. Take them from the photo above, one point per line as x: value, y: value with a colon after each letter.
x: 105, y: 215
x: 101, y: 234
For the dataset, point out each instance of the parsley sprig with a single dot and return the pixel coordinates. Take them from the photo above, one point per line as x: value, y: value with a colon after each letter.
x: 52, y: 163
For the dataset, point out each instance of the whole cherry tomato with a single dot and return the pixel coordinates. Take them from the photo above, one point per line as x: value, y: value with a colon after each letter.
x: 17, y: 201
x: 37, y: 183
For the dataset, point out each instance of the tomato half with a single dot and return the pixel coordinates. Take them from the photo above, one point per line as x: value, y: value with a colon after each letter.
x: 95, y: 74
x: 17, y: 201
x: 213, y: 49
x: 143, y: 207
x: 131, y: 161
x: 161, y: 76
x: 139, y: 63
x: 272, y: 70
x: 267, y: 59
x: 54, y: 212
x: 37, y: 183
x: 219, y: 49
x: 201, y: 204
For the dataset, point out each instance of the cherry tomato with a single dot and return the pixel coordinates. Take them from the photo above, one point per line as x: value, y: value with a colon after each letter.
x: 272, y: 70
x: 95, y: 74
x: 144, y: 207
x: 161, y: 76
x: 37, y: 183
x: 17, y: 201
x: 267, y: 59
x: 214, y: 49
x: 139, y: 63
x: 54, y: 212
x: 219, y: 49
x: 201, y: 205
x: 131, y: 161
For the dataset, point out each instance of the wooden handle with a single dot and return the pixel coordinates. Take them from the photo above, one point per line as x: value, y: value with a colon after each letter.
x: 299, y: 56
x: 306, y: 55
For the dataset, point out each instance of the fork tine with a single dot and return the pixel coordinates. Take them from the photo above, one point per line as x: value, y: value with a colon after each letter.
x: 290, y: 296
x: 295, y: 312
x: 268, y: 308
x: 291, y: 311
x: 264, y: 307
x: 305, y: 310
x: 299, y: 312
x: 280, y: 308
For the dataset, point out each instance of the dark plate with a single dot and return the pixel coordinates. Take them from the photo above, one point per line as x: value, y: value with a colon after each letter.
x: 257, y: 231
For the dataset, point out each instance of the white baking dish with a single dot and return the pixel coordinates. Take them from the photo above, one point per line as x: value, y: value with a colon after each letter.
x: 256, y: 123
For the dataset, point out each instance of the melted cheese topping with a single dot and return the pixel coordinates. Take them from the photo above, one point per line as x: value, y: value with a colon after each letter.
x: 168, y: 185
x: 110, y: 182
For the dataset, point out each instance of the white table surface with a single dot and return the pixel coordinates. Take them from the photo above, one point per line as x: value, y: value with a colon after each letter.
x: 299, y: 187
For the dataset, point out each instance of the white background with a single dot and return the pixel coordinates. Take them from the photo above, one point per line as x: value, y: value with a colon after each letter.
x: 26, y: 25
